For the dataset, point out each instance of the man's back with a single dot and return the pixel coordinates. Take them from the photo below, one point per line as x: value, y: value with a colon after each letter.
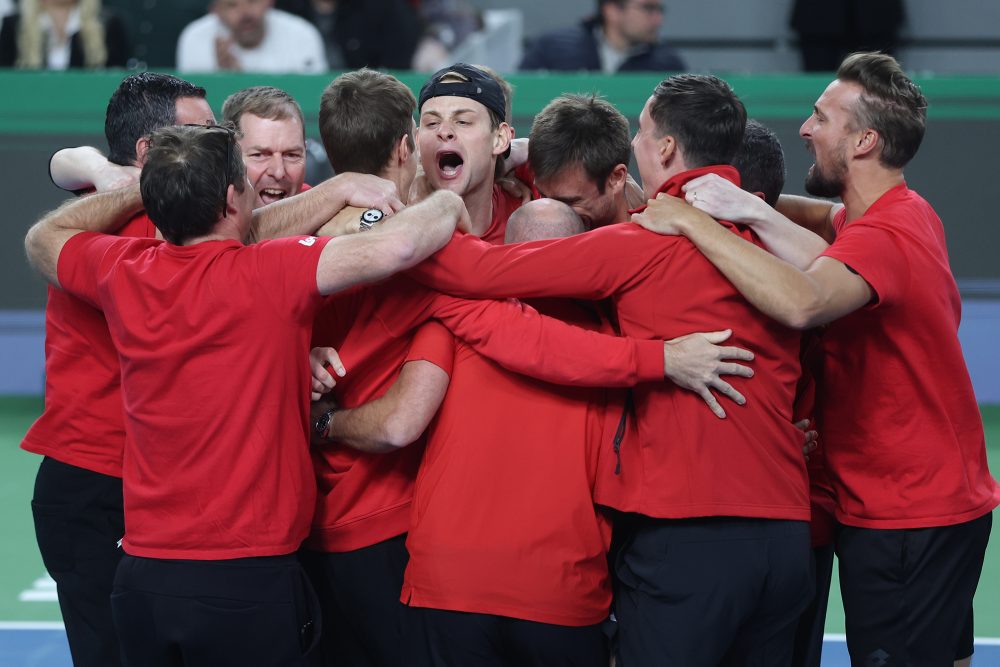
x: 213, y: 340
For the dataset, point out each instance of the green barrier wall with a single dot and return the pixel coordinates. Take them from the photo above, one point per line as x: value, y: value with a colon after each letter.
x: 955, y: 169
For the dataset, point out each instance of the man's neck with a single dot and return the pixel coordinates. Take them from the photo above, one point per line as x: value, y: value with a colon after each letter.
x: 865, y: 186
x: 479, y: 203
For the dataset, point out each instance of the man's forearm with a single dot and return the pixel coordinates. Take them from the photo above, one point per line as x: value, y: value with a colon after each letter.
x: 773, y: 286
x: 396, y: 419
x: 299, y: 215
x: 816, y: 215
x: 103, y: 212
x: 793, y: 243
x: 399, y: 243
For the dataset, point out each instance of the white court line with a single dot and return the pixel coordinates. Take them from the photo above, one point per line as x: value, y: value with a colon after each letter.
x: 982, y: 641
x: 31, y: 625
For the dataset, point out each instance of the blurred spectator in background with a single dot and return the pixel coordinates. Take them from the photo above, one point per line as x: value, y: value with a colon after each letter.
x: 622, y: 37
x: 250, y: 36
x: 362, y: 33
x: 62, y: 34
x: 153, y: 27
x: 7, y: 7
x: 830, y: 30
x: 447, y: 23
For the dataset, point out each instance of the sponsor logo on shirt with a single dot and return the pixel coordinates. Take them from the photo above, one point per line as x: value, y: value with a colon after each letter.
x: 308, y: 241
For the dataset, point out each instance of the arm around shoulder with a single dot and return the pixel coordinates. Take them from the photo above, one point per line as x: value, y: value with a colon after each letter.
x: 399, y: 243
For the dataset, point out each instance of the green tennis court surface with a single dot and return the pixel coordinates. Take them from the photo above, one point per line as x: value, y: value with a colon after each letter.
x: 27, y: 597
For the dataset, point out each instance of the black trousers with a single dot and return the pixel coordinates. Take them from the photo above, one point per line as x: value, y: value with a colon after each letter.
x: 248, y: 611
x: 908, y: 593
x: 359, y: 594
x: 78, y: 523
x: 713, y: 591
x: 442, y: 638
x: 809, y: 633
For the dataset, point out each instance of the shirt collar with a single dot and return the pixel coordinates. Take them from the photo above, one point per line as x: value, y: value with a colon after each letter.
x: 674, y: 184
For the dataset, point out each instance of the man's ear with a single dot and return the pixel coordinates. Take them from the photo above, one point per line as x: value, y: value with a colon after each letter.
x: 667, y: 149
x: 501, y: 138
x: 616, y: 180
x: 232, y: 197
x: 141, y: 148
x: 866, y: 143
x: 402, y: 151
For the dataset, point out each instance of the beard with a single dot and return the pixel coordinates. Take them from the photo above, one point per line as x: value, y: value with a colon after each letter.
x: 823, y: 184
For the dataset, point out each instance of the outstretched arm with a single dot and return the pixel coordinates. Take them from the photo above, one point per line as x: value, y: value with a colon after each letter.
x: 724, y: 200
x: 816, y: 215
x: 400, y: 242
x: 827, y: 290
x: 103, y: 212
x: 307, y: 212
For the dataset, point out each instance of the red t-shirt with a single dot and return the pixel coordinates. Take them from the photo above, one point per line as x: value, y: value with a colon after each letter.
x: 503, y: 205
x: 364, y: 498
x: 904, y: 438
x: 503, y: 517
x: 686, y: 462
x: 82, y: 424
x: 213, y: 341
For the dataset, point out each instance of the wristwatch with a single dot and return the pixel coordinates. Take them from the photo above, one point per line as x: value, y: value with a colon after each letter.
x: 370, y: 218
x: 322, y: 424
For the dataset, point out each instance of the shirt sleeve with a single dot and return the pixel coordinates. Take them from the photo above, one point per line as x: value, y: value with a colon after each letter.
x: 522, y: 340
x: 433, y: 343
x: 85, y: 261
x: 874, y: 253
x: 286, y: 273
x: 593, y: 265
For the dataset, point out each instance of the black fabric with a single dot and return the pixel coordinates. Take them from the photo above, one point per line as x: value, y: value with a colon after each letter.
x: 575, y: 48
x: 481, y: 87
x: 443, y: 638
x: 713, y: 591
x: 359, y: 595
x: 381, y: 34
x: 78, y: 522
x: 809, y: 635
x: 246, y: 611
x: 907, y: 593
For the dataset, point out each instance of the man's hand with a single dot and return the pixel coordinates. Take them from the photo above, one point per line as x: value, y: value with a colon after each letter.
x: 724, y: 200
x: 669, y: 215
x: 697, y: 363
x: 224, y: 57
x: 366, y: 191
x: 810, y: 438
x: 324, y: 362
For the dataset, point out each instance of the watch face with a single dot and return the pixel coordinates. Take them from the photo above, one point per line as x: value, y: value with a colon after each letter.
x: 371, y: 216
x: 321, y: 423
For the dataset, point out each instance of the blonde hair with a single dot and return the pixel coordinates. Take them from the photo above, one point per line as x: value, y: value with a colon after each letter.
x: 31, y: 42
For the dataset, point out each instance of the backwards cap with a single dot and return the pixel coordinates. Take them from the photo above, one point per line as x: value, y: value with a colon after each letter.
x: 478, y: 86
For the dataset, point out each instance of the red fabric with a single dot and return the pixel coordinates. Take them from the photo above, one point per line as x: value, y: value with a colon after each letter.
x: 365, y: 498
x: 82, y: 424
x: 503, y: 205
x: 822, y: 525
x: 685, y: 462
x: 526, y: 175
x: 503, y: 518
x: 213, y: 340
x: 904, y: 437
